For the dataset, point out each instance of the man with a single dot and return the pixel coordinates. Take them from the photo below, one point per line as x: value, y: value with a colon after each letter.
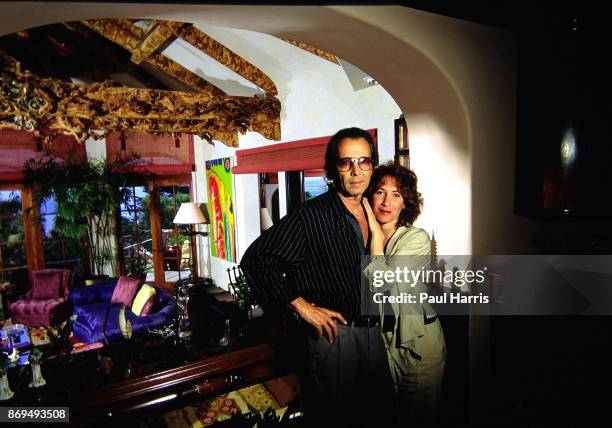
x: 310, y: 262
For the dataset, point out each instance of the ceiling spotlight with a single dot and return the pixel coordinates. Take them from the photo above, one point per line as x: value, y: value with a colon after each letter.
x: 370, y: 81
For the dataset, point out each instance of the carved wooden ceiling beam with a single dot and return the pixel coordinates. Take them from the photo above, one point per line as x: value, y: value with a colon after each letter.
x: 96, y: 43
x: 128, y: 36
x: 158, y: 37
x: 231, y: 60
x: 183, y: 75
x: 40, y: 105
x: 313, y: 50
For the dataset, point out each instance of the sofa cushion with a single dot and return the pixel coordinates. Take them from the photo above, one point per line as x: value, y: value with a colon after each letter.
x: 98, y: 322
x: 90, y: 318
x: 125, y: 290
x: 46, y: 286
x: 142, y: 304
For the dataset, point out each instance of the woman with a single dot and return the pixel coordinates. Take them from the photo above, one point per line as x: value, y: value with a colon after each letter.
x: 413, y: 335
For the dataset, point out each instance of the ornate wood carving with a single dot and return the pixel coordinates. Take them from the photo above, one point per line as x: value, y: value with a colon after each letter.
x: 31, y: 103
x: 128, y: 36
x: 97, y: 44
x: 119, y: 31
x: 144, y: 47
x: 313, y: 50
x: 153, y: 41
x: 234, y: 62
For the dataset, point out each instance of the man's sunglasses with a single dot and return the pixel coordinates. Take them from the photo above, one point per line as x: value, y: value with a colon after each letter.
x: 345, y: 164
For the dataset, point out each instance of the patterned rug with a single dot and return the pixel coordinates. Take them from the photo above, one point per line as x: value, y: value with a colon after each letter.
x: 254, y: 398
x: 206, y: 413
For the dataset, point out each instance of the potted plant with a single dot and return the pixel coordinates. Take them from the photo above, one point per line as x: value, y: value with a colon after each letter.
x: 137, y: 267
x: 87, y: 195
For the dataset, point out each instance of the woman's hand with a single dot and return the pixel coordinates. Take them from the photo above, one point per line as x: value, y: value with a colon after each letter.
x: 377, y: 240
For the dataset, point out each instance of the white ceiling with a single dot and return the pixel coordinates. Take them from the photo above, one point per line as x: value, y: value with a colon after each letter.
x: 210, y: 69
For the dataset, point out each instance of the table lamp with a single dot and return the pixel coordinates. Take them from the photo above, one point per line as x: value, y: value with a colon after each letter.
x: 190, y: 213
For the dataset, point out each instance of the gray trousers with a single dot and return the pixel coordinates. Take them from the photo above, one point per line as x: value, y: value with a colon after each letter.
x: 347, y: 383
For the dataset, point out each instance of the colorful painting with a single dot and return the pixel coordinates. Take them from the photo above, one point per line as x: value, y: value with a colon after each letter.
x: 221, y: 208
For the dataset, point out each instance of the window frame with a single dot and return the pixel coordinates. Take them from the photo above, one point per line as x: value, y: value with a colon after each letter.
x: 32, y: 239
x: 22, y: 241
x: 152, y: 186
x: 83, y: 247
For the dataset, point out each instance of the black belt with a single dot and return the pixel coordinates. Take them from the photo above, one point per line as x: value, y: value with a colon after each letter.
x: 365, y: 321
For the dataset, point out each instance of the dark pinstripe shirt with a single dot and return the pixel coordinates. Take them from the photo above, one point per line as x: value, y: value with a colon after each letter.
x: 314, y: 253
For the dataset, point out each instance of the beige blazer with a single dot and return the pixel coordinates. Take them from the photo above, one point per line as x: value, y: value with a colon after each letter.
x: 410, y: 324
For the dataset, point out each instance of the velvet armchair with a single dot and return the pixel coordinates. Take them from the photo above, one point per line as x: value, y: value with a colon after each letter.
x: 47, y: 299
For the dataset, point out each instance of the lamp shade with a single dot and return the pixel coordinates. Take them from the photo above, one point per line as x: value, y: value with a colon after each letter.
x: 189, y: 213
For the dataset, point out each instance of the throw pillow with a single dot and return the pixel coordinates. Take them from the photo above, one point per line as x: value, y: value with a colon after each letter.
x: 143, y: 298
x: 46, y: 285
x: 125, y: 290
x: 149, y: 307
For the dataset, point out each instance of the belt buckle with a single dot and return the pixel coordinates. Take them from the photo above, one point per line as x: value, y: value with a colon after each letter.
x: 369, y: 321
x: 366, y: 321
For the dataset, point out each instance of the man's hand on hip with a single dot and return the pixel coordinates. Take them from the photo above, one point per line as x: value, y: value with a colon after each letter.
x: 320, y: 318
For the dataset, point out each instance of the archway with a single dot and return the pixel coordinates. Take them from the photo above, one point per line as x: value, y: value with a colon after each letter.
x: 438, y: 122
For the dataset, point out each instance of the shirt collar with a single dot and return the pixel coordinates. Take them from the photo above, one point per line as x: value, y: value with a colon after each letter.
x: 339, y: 208
x: 343, y: 214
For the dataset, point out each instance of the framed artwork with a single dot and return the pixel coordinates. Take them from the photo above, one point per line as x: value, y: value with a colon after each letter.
x: 219, y: 179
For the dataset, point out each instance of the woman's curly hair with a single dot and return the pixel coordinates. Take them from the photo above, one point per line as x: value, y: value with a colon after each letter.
x: 407, y: 186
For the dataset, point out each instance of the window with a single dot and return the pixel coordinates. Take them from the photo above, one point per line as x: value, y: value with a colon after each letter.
x: 141, y: 226
x: 175, y: 239
x: 59, y: 252
x: 135, y: 234
x: 13, y: 258
x: 315, y: 184
x: 402, y: 153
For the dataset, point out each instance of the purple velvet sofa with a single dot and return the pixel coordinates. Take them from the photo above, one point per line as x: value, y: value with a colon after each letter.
x: 47, y: 299
x: 93, y: 310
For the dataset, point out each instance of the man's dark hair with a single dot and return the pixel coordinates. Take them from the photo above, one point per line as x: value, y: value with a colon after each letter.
x: 331, y: 153
x: 406, y: 184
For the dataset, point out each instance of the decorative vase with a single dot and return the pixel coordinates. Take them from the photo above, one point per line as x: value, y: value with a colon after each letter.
x: 37, y: 379
x: 227, y: 333
x: 5, y: 389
